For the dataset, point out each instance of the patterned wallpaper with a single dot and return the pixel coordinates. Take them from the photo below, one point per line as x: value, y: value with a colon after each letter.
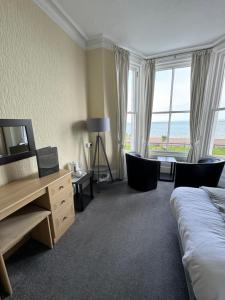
x: 43, y: 78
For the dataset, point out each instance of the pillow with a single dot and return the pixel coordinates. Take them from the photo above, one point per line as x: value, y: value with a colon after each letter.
x: 217, y: 196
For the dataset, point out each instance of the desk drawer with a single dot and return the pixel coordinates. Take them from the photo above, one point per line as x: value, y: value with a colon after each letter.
x: 61, y: 219
x: 64, y: 228
x: 62, y: 200
x: 59, y: 186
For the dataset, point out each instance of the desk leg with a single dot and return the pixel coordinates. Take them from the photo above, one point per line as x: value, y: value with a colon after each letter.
x: 4, y: 276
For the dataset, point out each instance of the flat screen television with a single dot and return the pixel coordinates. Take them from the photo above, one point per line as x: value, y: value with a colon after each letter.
x: 16, y: 140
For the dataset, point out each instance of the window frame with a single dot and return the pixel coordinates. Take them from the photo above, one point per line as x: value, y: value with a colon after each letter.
x: 136, y: 69
x: 216, y: 109
x: 163, y: 66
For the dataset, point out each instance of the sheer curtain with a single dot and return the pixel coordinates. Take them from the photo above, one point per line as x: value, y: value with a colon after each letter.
x: 199, y: 74
x: 148, y: 94
x: 122, y: 71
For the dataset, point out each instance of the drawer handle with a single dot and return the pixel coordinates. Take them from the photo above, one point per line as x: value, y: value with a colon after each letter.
x: 63, y: 201
x: 64, y: 218
x: 61, y: 187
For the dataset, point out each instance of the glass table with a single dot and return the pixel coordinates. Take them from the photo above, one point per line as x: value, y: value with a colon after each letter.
x: 171, y: 175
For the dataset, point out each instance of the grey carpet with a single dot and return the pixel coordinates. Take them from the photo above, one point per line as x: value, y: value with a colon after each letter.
x: 123, y: 246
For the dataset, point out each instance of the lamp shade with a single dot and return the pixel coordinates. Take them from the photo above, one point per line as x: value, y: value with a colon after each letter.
x: 98, y: 124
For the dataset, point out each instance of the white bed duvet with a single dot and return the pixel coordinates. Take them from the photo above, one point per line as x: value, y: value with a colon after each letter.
x: 202, y: 233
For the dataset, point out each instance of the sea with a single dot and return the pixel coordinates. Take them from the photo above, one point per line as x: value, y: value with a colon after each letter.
x: 179, y: 129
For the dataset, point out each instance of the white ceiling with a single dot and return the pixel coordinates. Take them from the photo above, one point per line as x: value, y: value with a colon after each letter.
x: 148, y: 26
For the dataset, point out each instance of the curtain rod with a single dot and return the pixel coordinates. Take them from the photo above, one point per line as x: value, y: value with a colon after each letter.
x: 177, y: 54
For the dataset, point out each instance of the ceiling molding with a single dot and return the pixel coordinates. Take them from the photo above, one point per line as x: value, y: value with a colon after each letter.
x: 99, y: 41
x: 55, y: 11
x: 132, y: 51
x: 173, y: 61
x: 220, y: 47
x: 136, y: 60
x: 57, y: 14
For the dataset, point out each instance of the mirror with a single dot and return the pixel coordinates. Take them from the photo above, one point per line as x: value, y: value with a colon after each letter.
x: 13, y: 140
x: 16, y: 140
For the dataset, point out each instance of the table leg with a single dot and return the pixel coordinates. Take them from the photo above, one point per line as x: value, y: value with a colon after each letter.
x: 91, y: 188
x: 77, y: 197
x: 173, y: 176
x: 159, y: 175
x: 81, y: 197
x: 171, y: 169
x: 77, y: 190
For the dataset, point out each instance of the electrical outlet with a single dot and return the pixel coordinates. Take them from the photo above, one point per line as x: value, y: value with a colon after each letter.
x: 89, y: 145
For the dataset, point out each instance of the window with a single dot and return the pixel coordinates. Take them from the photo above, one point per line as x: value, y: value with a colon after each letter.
x: 131, y: 110
x: 219, y: 126
x: 171, y: 111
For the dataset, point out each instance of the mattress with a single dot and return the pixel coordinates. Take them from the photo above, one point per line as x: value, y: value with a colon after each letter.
x: 202, y: 233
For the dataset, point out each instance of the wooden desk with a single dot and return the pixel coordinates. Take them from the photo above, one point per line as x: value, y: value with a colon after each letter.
x: 47, y: 219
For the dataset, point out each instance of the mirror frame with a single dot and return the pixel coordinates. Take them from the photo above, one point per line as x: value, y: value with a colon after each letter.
x: 27, y: 123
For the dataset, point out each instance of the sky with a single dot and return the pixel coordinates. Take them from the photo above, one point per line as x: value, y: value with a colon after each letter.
x: 181, y: 90
x: 181, y: 93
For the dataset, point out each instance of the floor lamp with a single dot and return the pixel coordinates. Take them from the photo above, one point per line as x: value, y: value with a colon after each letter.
x: 99, y: 125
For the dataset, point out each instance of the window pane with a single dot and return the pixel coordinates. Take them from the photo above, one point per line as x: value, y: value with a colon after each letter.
x: 159, y: 131
x: 179, y: 139
x: 219, y: 138
x: 130, y: 132
x: 181, y: 89
x: 222, y: 99
x: 131, y: 91
x: 161, y: 100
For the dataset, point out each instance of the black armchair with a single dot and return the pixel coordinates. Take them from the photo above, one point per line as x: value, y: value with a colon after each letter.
x: 142, y: 173
x: 196, y: 175
x: 208, y: 159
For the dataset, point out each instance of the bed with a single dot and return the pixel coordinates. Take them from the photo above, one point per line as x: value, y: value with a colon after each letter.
x: 201, y: 230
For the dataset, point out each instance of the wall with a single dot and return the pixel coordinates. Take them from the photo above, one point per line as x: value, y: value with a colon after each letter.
x: 110, y: 107
x: 102, y: 97
x: 95, y: 78
x: 43, y: 78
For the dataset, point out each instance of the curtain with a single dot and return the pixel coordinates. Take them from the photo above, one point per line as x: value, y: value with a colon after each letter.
x: 148, y: 94
x: 122, y: 71
x: 199, y: 74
